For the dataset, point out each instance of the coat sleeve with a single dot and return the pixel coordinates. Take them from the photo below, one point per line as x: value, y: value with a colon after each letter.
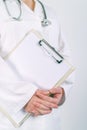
x: 60, y: 43
x: 14, y: 93
x: 65, y: 50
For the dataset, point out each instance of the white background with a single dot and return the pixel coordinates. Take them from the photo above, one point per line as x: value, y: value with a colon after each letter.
x: 73, y: 18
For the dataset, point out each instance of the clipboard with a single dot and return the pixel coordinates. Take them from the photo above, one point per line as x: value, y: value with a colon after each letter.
x: 40, y: 62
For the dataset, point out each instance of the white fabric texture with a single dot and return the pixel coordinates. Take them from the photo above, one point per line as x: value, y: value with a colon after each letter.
x: 14, y: 91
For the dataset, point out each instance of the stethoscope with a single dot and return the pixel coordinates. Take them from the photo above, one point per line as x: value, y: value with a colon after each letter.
x: 45, y: 22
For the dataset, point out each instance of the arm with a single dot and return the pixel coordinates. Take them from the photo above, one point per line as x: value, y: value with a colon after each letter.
x: 64, y: 49
x: 13, y: 96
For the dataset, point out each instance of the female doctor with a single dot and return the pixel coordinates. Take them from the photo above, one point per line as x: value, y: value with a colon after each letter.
x: 19, y: 98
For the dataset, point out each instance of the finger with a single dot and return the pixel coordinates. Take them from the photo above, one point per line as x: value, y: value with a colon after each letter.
x: 56, y: 90
x: 35, y: 113
x: 44, y: 112
x: 44, y: 92
x: 59, y: 97
x: 45, y: 103
x: 47, y: 98
x: 39, y: 104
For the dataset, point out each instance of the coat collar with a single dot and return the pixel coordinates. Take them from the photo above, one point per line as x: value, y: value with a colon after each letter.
x: 38, y: 11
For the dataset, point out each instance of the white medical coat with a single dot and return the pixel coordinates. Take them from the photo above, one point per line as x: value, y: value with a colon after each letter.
x: 15, y: 94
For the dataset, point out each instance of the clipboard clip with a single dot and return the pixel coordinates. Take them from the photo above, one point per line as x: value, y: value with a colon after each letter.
x: 51, y: 51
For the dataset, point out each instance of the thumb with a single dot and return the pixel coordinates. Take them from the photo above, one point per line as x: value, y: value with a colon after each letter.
x: 57, y: 90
